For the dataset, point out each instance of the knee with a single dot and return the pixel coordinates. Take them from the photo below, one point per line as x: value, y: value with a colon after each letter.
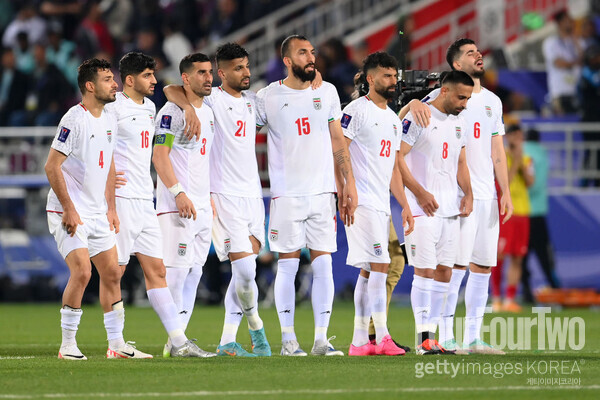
x: 81, y: 278
x: 322, y: 266
x: 111, y: 276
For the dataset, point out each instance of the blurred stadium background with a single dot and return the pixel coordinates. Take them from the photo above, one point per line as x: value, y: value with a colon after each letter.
x: 44, y: 41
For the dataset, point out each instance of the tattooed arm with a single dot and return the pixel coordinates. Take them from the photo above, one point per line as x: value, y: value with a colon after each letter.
x: 347, y: 196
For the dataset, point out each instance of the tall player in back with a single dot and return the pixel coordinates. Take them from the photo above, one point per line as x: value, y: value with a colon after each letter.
x: 307, y: 156
x: 486, y: 159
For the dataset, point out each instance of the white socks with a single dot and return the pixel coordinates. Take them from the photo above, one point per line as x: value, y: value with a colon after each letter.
x: 285, y: 295
x: 233, y: 314
x: 447, y: 321
x: 243, y: 272
x: 377, y: 303
x: 420, y: 299
x: 190, y: 288
x: 362, y: 312
x: 322, y: 294
x: 114, y: 322
x: 438, y: 298
x: 476, y: 296
x: 69, y: 323
x: 162, y: 303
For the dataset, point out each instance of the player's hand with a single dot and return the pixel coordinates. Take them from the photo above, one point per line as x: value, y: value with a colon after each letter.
x: 120, y: 179
x: 185, y: 206
x: 192, y: 125
x: 318, y: 81
x: 214, y: 209
x: 506, y: 208
x: 71, y: 220
x: 427, y: 202
x: 408, y: 222
x: 113, y: 220
x: 420, y: 112
x: 466, y: 206
x: 347, y: 203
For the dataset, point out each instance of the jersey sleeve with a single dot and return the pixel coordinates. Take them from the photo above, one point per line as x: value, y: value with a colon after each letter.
x: 431, y: 96
x: 66, y: 139
x: 335, y: 112
x: 210, y: 99
x: 169, y: 125
x: 261, y: 114
x: 352, y: 120
x: 499, y: 122
x: 410, y: 130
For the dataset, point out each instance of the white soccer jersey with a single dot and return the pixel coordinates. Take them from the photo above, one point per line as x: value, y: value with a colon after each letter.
x: 433, y: 159
x: 133, y: 150
x: 299, y: 142
x: 189, y: 158
x: 483, y: 116
x: 375, y: 140
x: 88, y: 143
x: 233, y: 166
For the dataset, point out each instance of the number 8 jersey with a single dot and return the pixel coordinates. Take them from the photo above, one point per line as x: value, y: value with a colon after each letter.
x: 299, y: 142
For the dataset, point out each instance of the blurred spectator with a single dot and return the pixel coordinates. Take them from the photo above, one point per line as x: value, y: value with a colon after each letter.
x: 24, y: 53
x: 175, y: 47
x: 339, y: 70
x: 514, y: 234
x: 61, y: 52
x: 6, y: 14
x: 226, y: 18
x: 93, y: 35
x: 117, y: 14
x: 50, y: 89
x: 66, y: 12
x: 28, y: 21
x: 399, y: 46
x: 563, y: 54
x: 589, y: 34
x: 13, y: 91
x: 539, y: 238
x: 276, y: 69
x: 148, y: 42
x: 360, y: 51
x: 589, y: 95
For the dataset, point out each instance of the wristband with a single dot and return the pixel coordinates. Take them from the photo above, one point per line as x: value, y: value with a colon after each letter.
x: 176, y: 189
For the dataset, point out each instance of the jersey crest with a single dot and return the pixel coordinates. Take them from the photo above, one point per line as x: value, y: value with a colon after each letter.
x: 109, y: 135
x: 274, y: 234
x: 395, y: 130
x: 488, y: 111
x: 249, y: 107
x: 181, y: 249
x: 377, y: 249
x: 458, y: 132
x: 317, y: 103
x: 227, y: 243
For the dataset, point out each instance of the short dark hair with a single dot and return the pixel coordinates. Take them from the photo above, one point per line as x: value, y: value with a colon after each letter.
x: 455, y: 77
x: 230, y: 51
x: 88, y: 71
x: 134, y: 63
x: 454, y: 52
x: 186, y: 62
x: 379, y: 59
x: 285, y: 45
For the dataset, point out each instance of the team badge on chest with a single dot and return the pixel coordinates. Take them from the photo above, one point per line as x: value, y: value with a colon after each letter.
x: 227, y: 244
x: 181, y: 249
x: 109, y: 135
x: 274, y: 234
x: 317, y: 103
x: 377, y: 249
x: 488, y: 111
x: 458, y: 132
x: 395, y: 130
x: 249, y: 107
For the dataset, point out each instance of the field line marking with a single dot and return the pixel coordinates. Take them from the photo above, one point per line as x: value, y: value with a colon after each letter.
x: 16, y: 357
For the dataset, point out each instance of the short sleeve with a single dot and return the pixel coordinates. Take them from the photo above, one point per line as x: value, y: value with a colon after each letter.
x: 431, y: 96
x: 335, y: 112
x: 169, y: 121
x: 261, y: 114
x: 410, y: 131
x: 352, y: 120
x: 499, y: 122
x: 212, y: 97
x: 66, y: 139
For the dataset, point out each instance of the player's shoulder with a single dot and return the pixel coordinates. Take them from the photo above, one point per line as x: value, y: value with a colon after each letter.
x: 272, y: 87
x: 249, y: 95
x: 74, y: 116
x: 171, y: 108
x: 356, y: 105
x: 431, y: 95
x: 149, y: 105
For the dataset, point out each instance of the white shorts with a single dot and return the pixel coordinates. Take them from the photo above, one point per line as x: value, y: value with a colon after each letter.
x: 368, y: 238
x: 139, y: 231
x: 478, y: 238
x: 94, y: 235
x: 433, y: 242
x: 237, y: 219
x: 186, y: 242
x: 298, y: 222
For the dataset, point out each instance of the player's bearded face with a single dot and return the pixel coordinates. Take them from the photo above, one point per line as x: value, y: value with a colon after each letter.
x: 237, y: 75
x: 105, y: 87
x: 305, y: 73
x: 472, y: 61
x: 385, y: 82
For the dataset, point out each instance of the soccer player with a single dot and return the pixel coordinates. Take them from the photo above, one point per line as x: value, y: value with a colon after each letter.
x: 238, y: 228
x: 183, y: 196
x: 140, y: 232
x: 433, y: 164
x: 372, y: 131
x: 486, y: 160
x: 81, y: 208
x: 304, y: 139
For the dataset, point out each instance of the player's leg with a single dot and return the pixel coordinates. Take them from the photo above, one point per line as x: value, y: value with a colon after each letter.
x: 228, y: 345
x: 361, y: 346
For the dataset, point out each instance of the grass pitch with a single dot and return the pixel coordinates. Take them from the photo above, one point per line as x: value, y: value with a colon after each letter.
x: 29, y: 368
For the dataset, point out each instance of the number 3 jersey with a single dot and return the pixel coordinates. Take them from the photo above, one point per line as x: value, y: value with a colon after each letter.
x: 189, y: 158
x: 483, y: 116
x: 375, y: 134
x: 88, y: 143
x: 433, y: 159
x: 133, y: 150
x: 233, y: 166
x: 299, y: 142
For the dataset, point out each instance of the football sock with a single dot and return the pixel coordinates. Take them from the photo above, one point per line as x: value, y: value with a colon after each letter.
x: 420, y: 299
x: 162, y: 303
x: 190, y: 288
x: 438, y: 298
x: 377, y: 303
x: 447, y: 321
x: 244, y: 272
x: 69, y: 323
x: 361, y: 312
x: 285, y: 295
x: 233, y: 315
x: 114, y: 322
x: 476, y: 296
x: 322, y: 294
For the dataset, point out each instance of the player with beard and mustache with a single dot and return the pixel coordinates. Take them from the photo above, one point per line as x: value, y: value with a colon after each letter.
x: 372, y: 131
x: 487, y: 162
x: 304, y: 138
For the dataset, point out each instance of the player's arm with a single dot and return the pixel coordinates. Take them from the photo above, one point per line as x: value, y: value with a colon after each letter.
x: 318, y: 81
x: 343, y: 171
x: 164, y: 169
x: 501, y: 172
x: 70, y: 217
x: 464, y: 181
x: 109, y: 193
x: 424, y: 198
x: 419, y: 110
x: 176, y: 94
x: 397, y: 188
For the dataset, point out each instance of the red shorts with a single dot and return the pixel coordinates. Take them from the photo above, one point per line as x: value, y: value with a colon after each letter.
x: 514, y: 237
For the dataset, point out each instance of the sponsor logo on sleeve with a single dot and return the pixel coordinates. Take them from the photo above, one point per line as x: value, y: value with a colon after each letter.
x: 64, y: 134
x: 405, y: 125
x: 346, y: 120
x: 165, y: 122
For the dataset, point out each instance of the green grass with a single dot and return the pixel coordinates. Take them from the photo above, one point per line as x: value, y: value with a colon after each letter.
x: 32, y: 332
